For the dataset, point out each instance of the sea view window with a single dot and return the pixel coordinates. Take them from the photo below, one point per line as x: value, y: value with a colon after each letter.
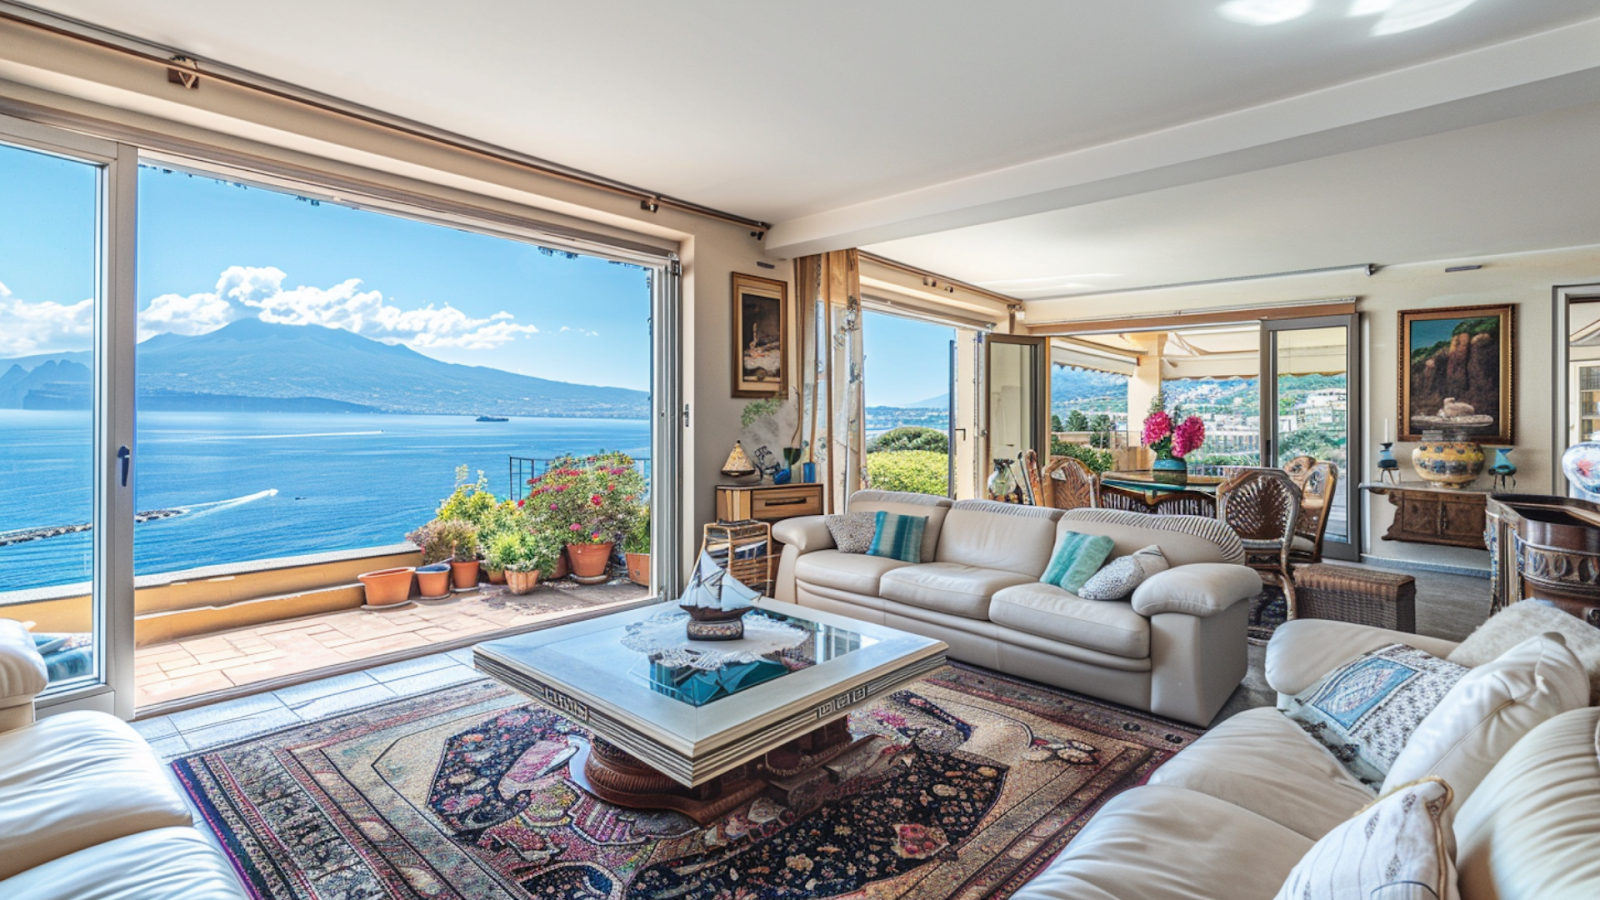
x: 907, y: 381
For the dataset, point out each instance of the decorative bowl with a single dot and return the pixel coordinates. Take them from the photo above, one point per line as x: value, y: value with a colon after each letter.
x: 1581, y: 463
x: 1448, y: 463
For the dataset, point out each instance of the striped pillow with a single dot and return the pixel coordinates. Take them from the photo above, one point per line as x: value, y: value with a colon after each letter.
x: 1399, y: 848
x: 1076, y: 558
x: 898, y: 537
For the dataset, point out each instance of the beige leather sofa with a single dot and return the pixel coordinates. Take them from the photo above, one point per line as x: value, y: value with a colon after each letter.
x: 1176, y: 648
x: 1231, y: 815
x: 86, y: 812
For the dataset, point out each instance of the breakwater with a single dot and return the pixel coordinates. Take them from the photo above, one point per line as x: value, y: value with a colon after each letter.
x: 23, y: 535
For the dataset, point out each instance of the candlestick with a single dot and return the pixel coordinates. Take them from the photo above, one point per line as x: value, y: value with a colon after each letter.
x: 1386, y: 429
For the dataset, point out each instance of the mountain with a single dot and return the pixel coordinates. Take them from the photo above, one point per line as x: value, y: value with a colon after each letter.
x: 940, y: 402
x: 251, y: 365
x: 51, y: 384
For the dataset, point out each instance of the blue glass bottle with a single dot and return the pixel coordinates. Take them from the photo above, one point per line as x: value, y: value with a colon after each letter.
x: 1388, y: 466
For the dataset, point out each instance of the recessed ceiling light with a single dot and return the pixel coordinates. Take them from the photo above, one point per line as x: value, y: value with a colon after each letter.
x: 1264, y: 12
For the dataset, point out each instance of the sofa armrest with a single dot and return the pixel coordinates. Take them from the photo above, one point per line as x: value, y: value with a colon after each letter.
x: 1304, y: 650
x: 1198, y: 589
x: 804, y: 533
x: 22, y: 674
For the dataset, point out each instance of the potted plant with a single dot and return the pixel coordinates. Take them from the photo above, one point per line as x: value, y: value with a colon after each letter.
x: 1171, y: 440
x: 636, y: 549
x: 463, y: 539
x: 504, y: 549
x: 536, y: 553
x: 387, y: 588
x: 440, y: 541
x: 507, y: 518
x: 587, y: 502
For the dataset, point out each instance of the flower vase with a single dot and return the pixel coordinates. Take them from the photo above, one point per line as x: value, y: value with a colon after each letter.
x: 1581, y: 464
x: 1388, y: 466
x: 1503, y: 470
x: 1002, y: 484
x: 1448, y: 463
x: 1170, y: 470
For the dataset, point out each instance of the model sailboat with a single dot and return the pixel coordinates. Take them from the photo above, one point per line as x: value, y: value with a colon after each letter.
x: 714, y: 601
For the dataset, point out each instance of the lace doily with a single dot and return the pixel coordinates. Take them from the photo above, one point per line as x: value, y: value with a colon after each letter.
x: 662, y: 638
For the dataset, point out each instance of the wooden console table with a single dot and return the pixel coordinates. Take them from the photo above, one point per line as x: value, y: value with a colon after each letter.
x: 1425, y: 514
x: 767, y: 502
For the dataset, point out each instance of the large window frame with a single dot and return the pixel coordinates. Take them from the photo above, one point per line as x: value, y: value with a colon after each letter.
x: 115, y: 336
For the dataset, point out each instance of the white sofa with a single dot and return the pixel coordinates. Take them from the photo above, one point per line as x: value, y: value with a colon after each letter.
x: 86, y: 812
x: 1231, y: 815
x: 1176, y: 648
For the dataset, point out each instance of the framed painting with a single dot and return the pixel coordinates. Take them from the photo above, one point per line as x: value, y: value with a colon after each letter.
x: 1456, y: 371
x: 760, y: 336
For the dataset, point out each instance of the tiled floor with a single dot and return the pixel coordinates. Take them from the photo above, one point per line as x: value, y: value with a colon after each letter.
x: 220, y: 723
x: 186, y: 668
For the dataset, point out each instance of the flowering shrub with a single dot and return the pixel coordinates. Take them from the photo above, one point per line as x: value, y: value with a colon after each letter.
x: 446, y: 539
x: 586, y: 501
x: 1172, y: 440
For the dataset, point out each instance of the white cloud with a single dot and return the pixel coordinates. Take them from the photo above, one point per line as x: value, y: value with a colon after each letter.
x: 44, y: 327
x: 242, y: 290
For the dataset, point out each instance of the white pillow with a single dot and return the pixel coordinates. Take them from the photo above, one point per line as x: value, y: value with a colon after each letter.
x: 1117, y: 579
x: 1399, y: 848
x: 1488, y: 711
x: 1525, y: 619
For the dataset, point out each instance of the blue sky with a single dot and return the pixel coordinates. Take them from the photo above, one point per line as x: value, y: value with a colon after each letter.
x: 211, y: 252
x: 907, y: 361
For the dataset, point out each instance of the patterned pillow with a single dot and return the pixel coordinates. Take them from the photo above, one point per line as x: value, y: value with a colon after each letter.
x: 898, y: 537
x: 1399, y: 848
x: 1075, y: 559
x: 1365, y: 710
x: 852, y: 532
x: 1120, y: 576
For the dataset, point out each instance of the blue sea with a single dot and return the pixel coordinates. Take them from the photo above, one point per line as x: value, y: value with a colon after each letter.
x: 263, y: 485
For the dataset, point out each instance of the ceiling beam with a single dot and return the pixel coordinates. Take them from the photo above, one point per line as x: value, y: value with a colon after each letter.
x: 1538, y: 73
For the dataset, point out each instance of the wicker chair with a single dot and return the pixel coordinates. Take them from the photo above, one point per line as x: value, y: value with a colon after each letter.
x: 1317, y: 494
x: 1299, y: 469
x: 1035, y: 490
x: 1069, y: 484
x: 1262, y: 506
x: 1159, y: 503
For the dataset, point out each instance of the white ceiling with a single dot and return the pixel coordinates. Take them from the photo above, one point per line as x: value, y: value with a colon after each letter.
x: 1145, y: 141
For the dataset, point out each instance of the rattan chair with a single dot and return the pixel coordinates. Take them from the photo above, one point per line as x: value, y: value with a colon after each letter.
x: 1158, y: 503
x: 1034, y: 489
x: 1070, y: 484
x: 1299, y: 469
x: 1262, y: 506
x: 1317, y: 494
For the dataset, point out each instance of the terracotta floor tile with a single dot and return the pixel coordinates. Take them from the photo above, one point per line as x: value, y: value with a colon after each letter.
x: 377, y: 646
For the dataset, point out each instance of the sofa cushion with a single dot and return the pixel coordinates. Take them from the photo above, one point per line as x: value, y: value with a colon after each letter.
x: 1399, y: 849
x: 999, y: 536
x: 75, y: 780
x: 948, y: 587
x: 1075, y: 559
x: 1488, y: 711
x: 1166, y: 843
x: 1303, y: 650
x: 1109, y: 626
x: 907, y: 504
x: 857, y: 573
x: 1528, y: 831
x: 1262, y: 761
x: 1520, y: 621
x: 1118, y: 578
x: 161, y: 864
x: 897, y: 536
x: 852, y: 532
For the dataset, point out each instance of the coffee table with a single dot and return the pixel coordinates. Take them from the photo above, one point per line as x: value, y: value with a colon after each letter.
x: 702, y: 742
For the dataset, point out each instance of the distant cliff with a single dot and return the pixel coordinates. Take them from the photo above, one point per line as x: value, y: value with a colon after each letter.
x: 256, y: 366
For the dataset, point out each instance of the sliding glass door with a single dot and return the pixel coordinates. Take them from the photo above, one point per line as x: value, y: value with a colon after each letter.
x: 1308, y: 386
x: 65, y: 504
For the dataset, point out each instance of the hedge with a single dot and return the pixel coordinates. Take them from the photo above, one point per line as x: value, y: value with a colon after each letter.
x: 910, y: 437
x: 916, y: 471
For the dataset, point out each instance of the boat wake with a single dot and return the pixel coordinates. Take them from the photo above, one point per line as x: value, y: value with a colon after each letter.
x: 200, y: 509
x: 23, y: 535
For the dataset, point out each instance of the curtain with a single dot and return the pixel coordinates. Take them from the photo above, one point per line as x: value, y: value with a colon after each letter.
x: 833, y: 426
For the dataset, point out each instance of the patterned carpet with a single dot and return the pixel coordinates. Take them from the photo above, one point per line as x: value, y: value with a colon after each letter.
x: 971, y: 783
x: 1268, y: 610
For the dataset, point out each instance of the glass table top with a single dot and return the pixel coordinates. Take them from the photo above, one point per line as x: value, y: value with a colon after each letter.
x: 1150, y: 480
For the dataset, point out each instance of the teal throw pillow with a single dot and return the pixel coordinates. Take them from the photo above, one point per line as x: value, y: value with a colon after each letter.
x: 898, y: 537
x: 1076, y: 558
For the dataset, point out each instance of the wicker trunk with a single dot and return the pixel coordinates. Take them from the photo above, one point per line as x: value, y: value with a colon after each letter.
x: 1352, y: 594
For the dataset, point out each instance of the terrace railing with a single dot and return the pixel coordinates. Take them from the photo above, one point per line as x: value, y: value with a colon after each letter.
x: 521, y: 468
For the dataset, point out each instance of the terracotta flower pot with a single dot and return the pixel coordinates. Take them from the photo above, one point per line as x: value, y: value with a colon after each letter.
x: 464, y: 574
x: 496, y: 576
x: 590, y: 560
x: 639, y: 568
x: 522, y: 582
x: 433, y: 582
x: 387, y: 587
x: 562, y: 569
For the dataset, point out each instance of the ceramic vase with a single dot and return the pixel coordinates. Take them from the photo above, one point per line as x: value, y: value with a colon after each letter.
x: 1581, y: 463
x: 1001, y: 482
x: 1448, y: 463
x: 1170, y: 470
x: 1503, y: 469
x: 1388, y: 466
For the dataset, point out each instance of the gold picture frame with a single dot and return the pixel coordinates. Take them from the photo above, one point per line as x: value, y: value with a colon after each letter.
x: 1457, y: 370
x: 760, y: 336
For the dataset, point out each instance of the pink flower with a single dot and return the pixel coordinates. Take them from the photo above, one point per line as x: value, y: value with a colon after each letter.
x: 595, y: 536
x: 1157, y: 426
x: 595, y: 499
x: 575, y: 527
x: 1188, y: 437
x: 554, y: 507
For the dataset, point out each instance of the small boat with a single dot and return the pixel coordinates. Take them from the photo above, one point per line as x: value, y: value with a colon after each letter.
x: 715, y: 601
x: 493, y: 419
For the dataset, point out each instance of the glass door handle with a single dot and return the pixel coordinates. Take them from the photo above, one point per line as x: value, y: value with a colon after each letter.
x: 126, y: 457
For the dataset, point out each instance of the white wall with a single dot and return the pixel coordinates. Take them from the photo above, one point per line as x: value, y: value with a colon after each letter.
x: 1524, y: 279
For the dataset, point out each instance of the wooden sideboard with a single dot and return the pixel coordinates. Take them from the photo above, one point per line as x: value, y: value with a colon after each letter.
x: 1425, y: 514
x: 767, y: 502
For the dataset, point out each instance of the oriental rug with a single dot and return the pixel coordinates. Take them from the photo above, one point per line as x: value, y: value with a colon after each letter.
x: 970, y: 783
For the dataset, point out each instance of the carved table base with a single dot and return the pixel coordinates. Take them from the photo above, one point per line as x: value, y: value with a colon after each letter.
x: 615, y: 776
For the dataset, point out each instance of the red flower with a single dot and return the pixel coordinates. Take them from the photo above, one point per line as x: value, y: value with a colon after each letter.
x: 595, y: 499
x: 520, y: 502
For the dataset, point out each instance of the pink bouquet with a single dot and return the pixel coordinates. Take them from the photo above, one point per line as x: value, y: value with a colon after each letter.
x: 1171, y: 442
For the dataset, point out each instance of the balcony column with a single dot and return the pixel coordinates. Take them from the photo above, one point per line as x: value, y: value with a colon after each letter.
x: 1143, y: 387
